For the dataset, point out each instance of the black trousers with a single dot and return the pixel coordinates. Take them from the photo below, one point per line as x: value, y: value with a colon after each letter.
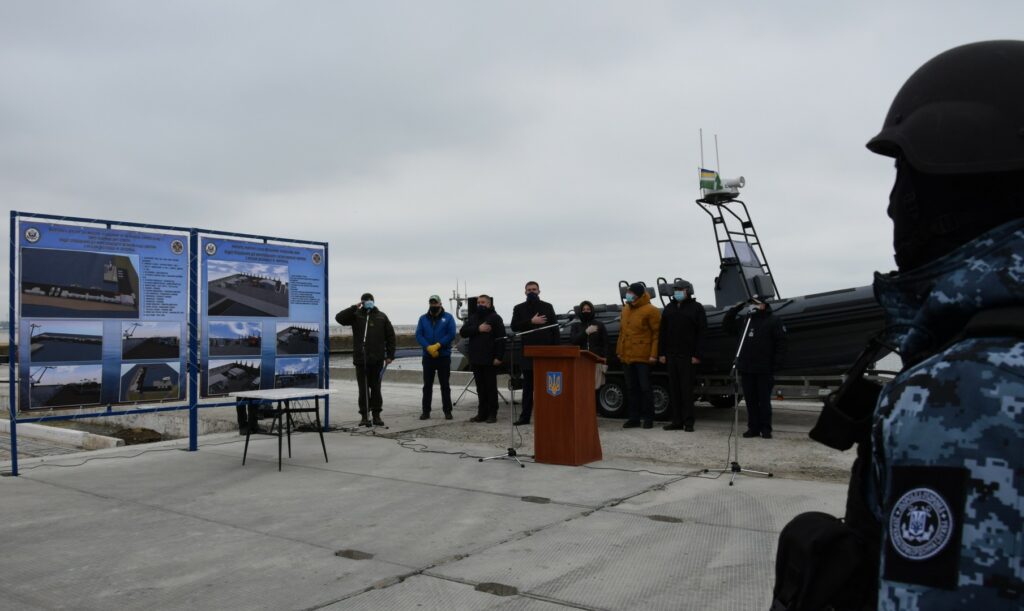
x: 680, y: 389
x: 757, y: 392
x: 369, y: 374
x: 527, y: 411
x: 441, y: 366
x: 486, y: 377
x: 641, y: 393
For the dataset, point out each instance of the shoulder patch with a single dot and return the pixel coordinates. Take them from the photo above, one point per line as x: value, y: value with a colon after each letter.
x: 924, y: 525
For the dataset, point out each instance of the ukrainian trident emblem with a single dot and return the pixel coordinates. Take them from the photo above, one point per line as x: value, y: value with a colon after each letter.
x: 554, y: 383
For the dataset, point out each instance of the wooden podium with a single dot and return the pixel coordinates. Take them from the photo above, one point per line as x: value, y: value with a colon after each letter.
x: 564, y: 410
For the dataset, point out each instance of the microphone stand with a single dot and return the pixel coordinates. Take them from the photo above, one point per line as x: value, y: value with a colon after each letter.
x: 734, y: 451
x: 511, y: 453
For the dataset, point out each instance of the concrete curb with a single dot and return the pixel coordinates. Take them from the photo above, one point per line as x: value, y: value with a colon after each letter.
x: 68, y: 437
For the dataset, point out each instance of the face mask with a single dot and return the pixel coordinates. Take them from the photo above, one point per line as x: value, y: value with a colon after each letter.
x: 586, y: 316
x: 482, y: 310
x: 630, y: 297
x: 435, y: 309
x: 679, y: 295
x: 368, y: 305
x: 532, y: 296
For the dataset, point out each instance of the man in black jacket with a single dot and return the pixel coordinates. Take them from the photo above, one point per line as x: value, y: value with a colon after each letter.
x: 762, y: 354
x: 680, y: 348
x: 530, y: 315
x: 373, y: 346
x: 486, y: 333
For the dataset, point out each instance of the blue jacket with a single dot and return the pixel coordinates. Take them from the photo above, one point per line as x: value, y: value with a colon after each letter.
x: 431, y: 330
x: 947, y: 485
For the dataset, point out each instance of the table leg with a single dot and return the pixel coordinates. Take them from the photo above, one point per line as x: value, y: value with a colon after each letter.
x: 245, y: 452
x: 288, y: 420
x: 320, y: 429
x: 279, y: 435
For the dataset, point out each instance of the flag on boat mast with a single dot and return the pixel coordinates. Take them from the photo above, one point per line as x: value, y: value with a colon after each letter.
x: 710, y: 180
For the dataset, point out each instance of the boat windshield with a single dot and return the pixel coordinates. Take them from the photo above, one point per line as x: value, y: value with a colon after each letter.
x: 741, y: 251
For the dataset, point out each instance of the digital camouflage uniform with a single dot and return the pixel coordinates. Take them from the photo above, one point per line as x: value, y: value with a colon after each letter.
x: 948, y: 474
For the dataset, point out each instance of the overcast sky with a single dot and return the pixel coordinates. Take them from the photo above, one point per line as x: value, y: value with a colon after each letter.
x: 490, y: 142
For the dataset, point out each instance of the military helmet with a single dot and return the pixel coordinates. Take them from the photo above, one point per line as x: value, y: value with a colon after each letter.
x: 962, y: 112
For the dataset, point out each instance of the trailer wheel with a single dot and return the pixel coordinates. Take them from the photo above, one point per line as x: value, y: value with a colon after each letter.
x: 722, y: 401
x: 611, y: 399
x: 661, y: 401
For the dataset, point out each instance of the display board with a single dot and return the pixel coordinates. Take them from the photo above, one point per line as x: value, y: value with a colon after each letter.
x: 107, y: 317
x: 262, y: 313
x: 102, y: 315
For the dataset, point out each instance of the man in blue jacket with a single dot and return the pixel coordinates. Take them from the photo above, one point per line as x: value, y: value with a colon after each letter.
x: 434, y: 333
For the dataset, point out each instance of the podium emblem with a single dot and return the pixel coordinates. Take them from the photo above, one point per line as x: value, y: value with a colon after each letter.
x: 554, y: 383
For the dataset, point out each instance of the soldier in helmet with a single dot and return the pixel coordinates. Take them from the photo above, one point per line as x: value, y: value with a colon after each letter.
x: 949, y: 493
x: 936, y: 503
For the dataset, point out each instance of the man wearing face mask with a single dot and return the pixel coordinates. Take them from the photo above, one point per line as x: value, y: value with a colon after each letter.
x: 486, y: 333
x: 680, y: 348
x: 590, y: 334
x: 637, y: 349
x: 763, y: 350
x: 435, y: 332
x: 373, y: 346
x: 531, y: 315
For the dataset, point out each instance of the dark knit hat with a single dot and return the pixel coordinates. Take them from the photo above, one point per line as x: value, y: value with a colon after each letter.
x: 637, y: 288
x: 366, y: 297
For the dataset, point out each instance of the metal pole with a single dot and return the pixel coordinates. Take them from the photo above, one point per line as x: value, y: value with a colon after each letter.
x: 193, y: 341
x: 326, y: 352
x: 12, y: 352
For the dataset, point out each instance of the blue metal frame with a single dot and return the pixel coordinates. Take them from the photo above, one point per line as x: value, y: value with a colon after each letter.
x: 12, y: 353
x: 192, y: 360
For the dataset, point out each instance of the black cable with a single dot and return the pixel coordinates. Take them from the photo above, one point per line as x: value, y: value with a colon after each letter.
x: 137, y: 454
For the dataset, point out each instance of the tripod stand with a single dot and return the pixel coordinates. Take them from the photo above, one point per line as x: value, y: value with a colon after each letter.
x: 734, y: 451
x: 511, y: 453
x: 466, y: 389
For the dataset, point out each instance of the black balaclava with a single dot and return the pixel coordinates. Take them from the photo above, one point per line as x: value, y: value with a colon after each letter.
x: 933, y: 214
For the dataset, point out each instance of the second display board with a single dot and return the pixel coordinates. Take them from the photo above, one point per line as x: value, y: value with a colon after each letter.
x: 261, y: 312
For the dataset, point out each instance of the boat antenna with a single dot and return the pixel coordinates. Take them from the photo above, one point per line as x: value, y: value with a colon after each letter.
x: 701, y: 132
x: 718, y: 164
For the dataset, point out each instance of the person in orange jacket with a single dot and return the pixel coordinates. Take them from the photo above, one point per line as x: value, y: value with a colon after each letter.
x: 637, y: 348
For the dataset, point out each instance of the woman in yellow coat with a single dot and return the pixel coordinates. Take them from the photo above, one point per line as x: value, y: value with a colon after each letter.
x: 637, y: 348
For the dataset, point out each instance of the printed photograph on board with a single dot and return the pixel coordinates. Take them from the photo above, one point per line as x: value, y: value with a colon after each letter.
x: 77, y: 284
x: 296, y: 373
x: 64, y: 340
x: 150, y: 381
x: 238, y: 288
x: 298, y: 338
x: 150, y: 340
x: 233, y: 375
x: 235, y: 338
x: 65, y: 386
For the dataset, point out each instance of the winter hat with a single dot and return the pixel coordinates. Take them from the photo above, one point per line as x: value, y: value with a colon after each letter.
x: 637, y: 288
x: 367, y: 297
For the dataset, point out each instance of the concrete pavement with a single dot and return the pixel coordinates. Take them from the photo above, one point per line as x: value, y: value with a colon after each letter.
x: 388, y: 523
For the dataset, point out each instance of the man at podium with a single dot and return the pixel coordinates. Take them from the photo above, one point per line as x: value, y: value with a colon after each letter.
x: 531, y: 315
